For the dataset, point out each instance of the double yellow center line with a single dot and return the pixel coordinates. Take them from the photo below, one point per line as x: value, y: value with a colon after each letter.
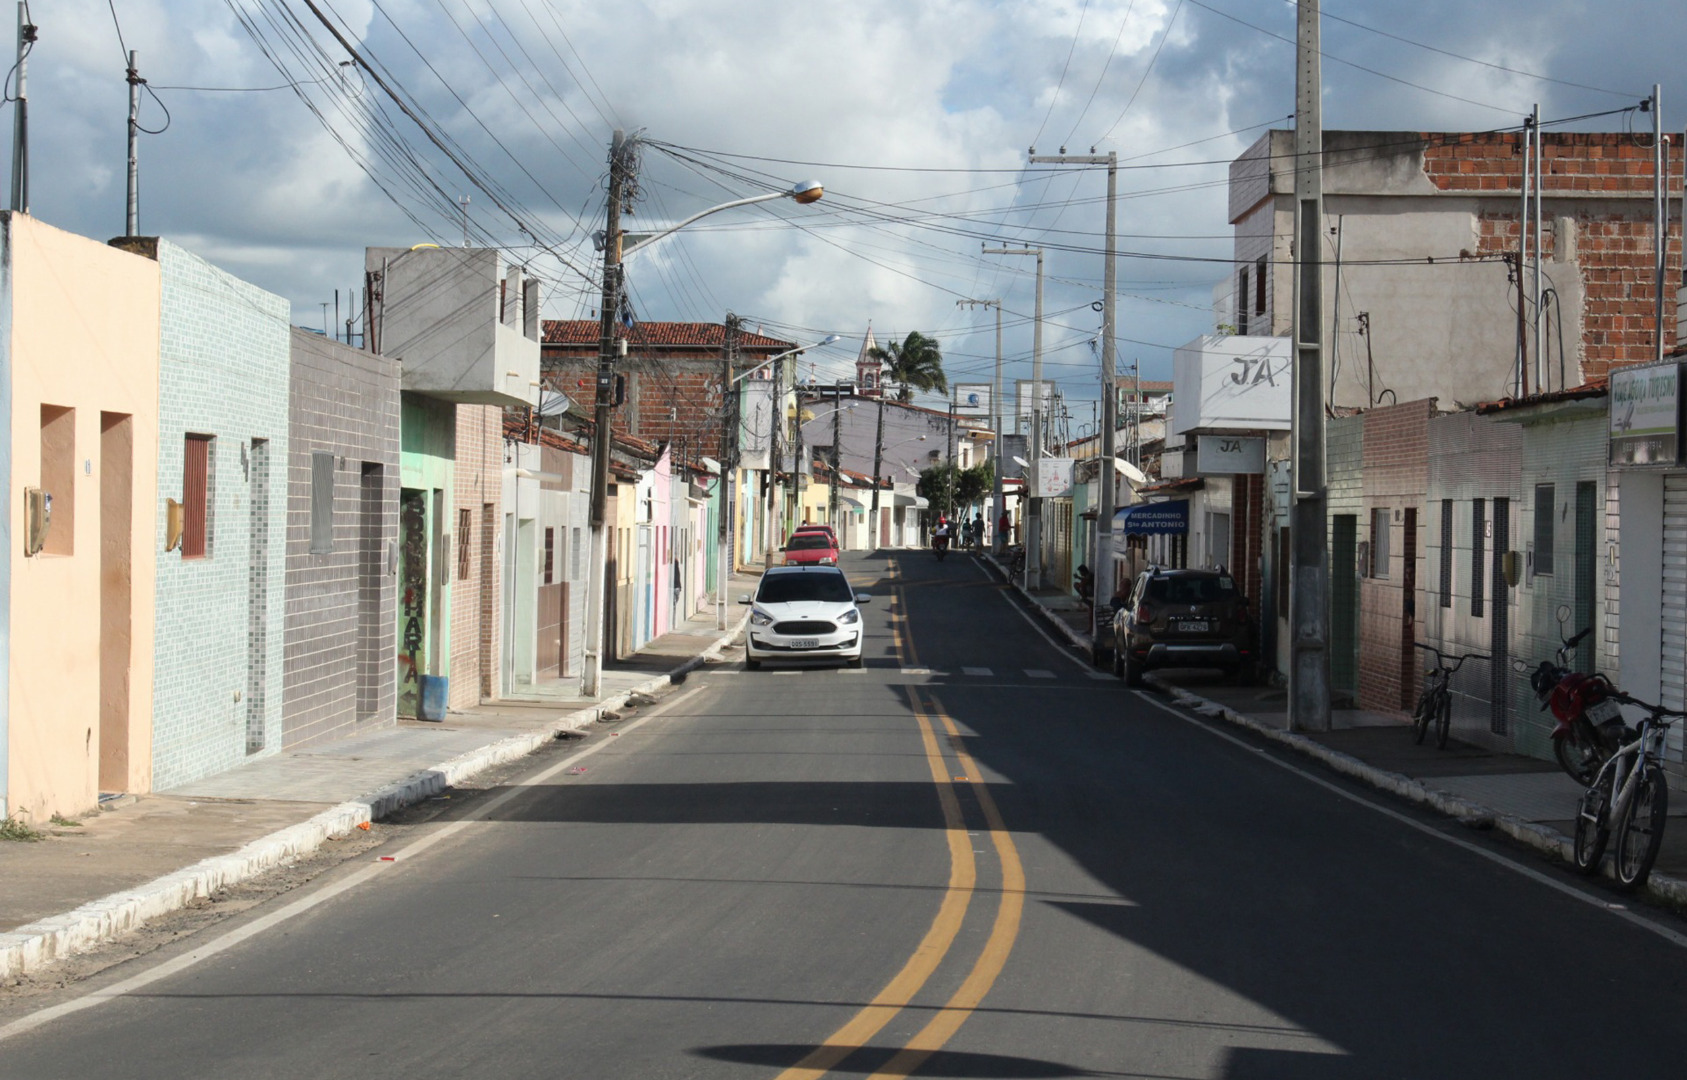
x: 935, y: 946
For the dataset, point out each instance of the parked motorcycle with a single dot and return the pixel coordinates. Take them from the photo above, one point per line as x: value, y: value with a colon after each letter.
x: 1590, y: 720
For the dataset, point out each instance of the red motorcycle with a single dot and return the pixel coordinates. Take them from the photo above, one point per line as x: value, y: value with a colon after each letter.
x: 1590, y: 720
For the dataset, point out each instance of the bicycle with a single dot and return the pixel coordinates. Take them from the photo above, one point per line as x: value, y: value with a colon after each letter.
x: 1435, y: 704
x: 1016, y: 561
x: 1629, y: 796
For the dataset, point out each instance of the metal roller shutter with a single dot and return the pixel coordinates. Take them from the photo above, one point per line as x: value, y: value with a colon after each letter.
x: 1674, y: 615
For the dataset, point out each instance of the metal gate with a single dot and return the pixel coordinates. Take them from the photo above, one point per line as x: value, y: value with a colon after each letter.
x: 1673, y: 659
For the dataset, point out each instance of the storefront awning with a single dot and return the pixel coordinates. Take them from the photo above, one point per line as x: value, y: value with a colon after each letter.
x: 852, y: 502
x: 1153, y: 519
x: 918, y: 502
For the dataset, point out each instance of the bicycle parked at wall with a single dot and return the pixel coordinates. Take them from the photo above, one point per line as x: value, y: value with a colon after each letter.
x: 1435, y: 704
x: 1630, y: 797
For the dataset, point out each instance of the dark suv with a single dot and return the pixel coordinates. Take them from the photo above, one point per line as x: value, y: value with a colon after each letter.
x: 1183, y: 618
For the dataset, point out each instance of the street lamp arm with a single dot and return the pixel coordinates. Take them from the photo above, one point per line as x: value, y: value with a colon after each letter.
x: 829, y: 338
x: 806, y: 192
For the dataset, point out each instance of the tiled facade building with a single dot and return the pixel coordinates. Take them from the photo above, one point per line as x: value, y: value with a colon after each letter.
x: 223, y: 453
x: 342, y: 524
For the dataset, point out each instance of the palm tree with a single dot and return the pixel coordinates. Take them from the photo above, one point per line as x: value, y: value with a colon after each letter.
x: 915, y: 364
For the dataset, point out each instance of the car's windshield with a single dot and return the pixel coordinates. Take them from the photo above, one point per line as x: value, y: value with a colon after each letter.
x: 795, y: 588
x: 808, y: 542
x: 1191, y: 590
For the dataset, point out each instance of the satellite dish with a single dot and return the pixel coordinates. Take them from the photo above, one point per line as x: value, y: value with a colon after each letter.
x: 1130, y: 472
x: 1021, y: 462
x: 553, y: 403
x: 709, y: 463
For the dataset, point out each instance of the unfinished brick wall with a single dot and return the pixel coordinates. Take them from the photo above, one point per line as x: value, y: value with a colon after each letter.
x: 1612, y: 247
x: 1396, y: 480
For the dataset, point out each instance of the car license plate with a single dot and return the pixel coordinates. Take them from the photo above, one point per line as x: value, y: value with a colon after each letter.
x: 805, y: 643
x: 1192, y: 626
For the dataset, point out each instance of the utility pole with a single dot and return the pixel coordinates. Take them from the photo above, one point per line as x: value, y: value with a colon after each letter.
x: 878, y: 464
x: 728, y: 464
x: 832, y: 498
x: 1539, y: 175
x: 1102, y: 627
x: 132, y: 224
x: 775, y: 458
x: 20, y: 115
x: 996, y: 422
x: 1034, y: 504
x: 621, y: 163
x: 1309, y: 671
x: 1660, y: 215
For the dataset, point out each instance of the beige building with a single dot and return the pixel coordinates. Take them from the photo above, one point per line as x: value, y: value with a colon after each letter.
x: 79, y: 346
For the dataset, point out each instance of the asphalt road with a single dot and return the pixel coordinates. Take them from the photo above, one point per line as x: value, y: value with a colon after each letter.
x: 972, y: 859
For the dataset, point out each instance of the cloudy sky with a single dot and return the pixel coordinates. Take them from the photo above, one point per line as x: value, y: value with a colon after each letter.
x: 277, y: 160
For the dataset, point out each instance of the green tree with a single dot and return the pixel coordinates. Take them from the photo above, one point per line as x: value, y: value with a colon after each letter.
x: 974, y: 484
x: 916, y: 363
x: 937, y: 486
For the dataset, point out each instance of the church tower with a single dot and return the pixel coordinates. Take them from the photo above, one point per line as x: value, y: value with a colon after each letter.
x: 869, y: 372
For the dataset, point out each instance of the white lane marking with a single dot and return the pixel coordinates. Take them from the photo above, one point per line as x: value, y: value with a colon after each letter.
x: 303, y: 904
x: 1063, y: 650
x: 921, y: 671
x: 1038, y: 673
x: 1532, y: 874
x: 984, y: 671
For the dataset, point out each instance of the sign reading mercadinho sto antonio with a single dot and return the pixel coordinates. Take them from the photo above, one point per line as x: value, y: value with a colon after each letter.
x: 1646, y: 415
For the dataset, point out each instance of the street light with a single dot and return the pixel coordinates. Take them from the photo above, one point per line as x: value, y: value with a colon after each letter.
x: 622, y: 164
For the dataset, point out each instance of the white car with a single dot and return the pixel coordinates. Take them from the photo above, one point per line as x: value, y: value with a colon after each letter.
x: 804, y: 613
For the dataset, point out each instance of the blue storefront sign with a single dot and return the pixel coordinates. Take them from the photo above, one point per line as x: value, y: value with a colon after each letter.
x: 1153, y: 519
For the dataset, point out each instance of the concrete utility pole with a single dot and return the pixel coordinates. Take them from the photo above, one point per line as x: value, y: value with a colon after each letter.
x: 775, y: 458
x: 1309, y: 670
x: 878, y: 464
x: 1102, y: 628
x: 620, y: 163
x: 728, y: 463
x: 20, y: 114
x: 1034, y: 504
x: 132, y: 225
x: 1660, y: 215
x: 996, y: 420
x: 1541, y: 374
x: 832, y: 498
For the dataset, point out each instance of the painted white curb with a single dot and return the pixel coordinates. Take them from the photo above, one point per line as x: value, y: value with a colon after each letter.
x: 29, y: 948
x: 1547, y: 840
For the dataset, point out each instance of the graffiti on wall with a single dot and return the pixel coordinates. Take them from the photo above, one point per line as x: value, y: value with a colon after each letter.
x: 413, y: 596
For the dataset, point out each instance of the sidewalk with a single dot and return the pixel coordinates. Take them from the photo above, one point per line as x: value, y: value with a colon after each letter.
x: 154, y: 854
x: 1528, y: 799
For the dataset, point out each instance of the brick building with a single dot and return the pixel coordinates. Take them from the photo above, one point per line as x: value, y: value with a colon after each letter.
x: 673, y: 372
x: 1421, y: 235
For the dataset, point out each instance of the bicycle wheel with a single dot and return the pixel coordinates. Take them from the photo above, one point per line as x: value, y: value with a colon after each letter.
x: 1422, y: 714
x: 1641, y: 831
x: 1443, y: 720
x: 1593, y: 825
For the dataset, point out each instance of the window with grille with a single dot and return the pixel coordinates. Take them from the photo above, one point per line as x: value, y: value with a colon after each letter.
x: 1379, y: 542
x: 550, y: 557
x: 1478, y: 556
x: 1446, y: 553
x: 465, y: 529
x: 196, y: 497
x: 321, y: 503
x: 1546, y: 503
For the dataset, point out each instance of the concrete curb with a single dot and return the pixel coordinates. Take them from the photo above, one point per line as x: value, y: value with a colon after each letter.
x: 1073, y: 638
x: 31, y: 947
x: 1546, y: 840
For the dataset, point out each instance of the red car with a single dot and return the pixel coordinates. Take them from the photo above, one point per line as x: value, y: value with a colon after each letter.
x: 826, y: 529
x: 810, y: 548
